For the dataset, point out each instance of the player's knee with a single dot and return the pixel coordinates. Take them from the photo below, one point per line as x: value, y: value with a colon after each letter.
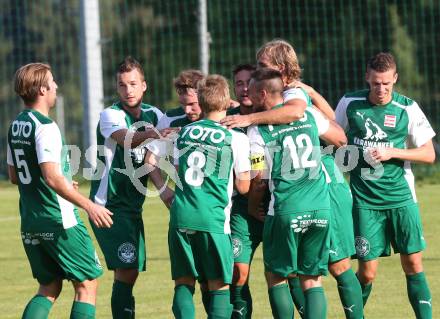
x: 241, y: 274
x: 339, y: 267
x: 51, y: 290
x: 366, y: 276
x: 128, y: 276
x: 85, y: 291
x: 411, y: 264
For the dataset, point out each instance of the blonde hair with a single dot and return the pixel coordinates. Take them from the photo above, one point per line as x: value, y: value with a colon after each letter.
x: 213, y: 93
x: 281, y: 53
x: 29, y: 79
x: 187, y: 79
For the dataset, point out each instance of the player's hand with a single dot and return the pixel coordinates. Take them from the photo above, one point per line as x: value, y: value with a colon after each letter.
x: 75, y: 185
x: 232, y: 121
x: 233, y: 103
x: 100, y: 216
x: 381, y: 154
x: 168, y: 132
x: 167, y: 196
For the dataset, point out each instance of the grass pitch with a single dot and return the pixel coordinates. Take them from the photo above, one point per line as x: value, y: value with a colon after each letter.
x: 154, y: 289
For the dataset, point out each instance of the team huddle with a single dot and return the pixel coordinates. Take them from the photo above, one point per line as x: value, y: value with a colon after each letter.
x: 263, y: 172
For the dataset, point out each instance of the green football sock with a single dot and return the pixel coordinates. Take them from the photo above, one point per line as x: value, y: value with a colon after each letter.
x: 183, y: 304
x: 206, y: 299
x: 220, y: 306
x: 37, y: 308
x: 297, y: 295
x: 242, y: 301
x: 82, y: 310
x: 316, y: 304
x: 122, y: 300
x: 366, y: 290
x: 419, y: 295
x: 350, y: 294
x: 281, y: 302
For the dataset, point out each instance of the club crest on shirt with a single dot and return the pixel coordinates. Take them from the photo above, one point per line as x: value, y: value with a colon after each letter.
x: 389, y: 120
x: 237, y: 247
x: 362, y: 246
x: 127, y: 253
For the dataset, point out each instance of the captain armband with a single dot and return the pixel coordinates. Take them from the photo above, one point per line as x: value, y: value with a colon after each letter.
x: 257, y: 162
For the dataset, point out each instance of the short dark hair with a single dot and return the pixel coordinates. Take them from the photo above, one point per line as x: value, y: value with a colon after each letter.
x: 187, y: 79
x: 244, y: 66
x: 382, y: 62
x: 268, y: 79
x: 129, y: 64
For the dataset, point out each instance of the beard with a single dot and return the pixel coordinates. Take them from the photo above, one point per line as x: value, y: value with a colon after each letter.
x: 130, y: 103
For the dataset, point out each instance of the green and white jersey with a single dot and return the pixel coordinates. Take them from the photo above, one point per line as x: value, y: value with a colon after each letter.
x: 398, y: 124
x: 34, y: 139
x: 290, y: 154
x: 207, y: 154
x: 173, y: 118
x: 112, y: 185
x: 239, y: 201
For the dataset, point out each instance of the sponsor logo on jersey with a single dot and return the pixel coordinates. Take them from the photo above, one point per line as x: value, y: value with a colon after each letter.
x: 127, y: 253
x: 362, y: 246
x: 201, y: 133
x: 29, y: 239
x: 237, y: 247
x: 21, y: 128
x: 390, y: 120
x: 303, y: 222
x: 374, y: 134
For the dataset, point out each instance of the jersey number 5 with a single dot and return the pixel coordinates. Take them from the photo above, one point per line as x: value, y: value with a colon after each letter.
x: 25, y: 176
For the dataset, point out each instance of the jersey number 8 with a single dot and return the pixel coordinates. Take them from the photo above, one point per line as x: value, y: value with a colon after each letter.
x: 194, y: 175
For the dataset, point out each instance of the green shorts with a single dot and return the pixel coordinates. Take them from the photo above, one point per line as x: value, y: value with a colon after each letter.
x: 297, y: 243
x: 202, y: 255
x: 123, y: 244
x: 341, y: 234
x: 376, y: 229
x: 247, y: 234
x: 67, y: 254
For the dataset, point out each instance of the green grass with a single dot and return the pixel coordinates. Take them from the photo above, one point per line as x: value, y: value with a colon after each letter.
x: 154, y: 288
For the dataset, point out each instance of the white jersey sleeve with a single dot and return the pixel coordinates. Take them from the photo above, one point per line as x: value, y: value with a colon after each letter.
x: 48, y: 143
x: 111, y: 121
x: 321, y: 122
x: 164, y: 122
x: 258, y: 148
x: 9, y: 159
x: 294, y: 93
x: 341, y: 113
x: 419, y: 129
x: 240, y: 152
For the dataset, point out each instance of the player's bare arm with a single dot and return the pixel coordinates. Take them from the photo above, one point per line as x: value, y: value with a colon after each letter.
x: 317, y: 99
x: 242, y: 182
x: 423, y: 154
x: 290, y: 112
x: 99, y: 215
x: 139, y: 137
x: 166, y: 193
x: 257, y: 191
x: 335, y: 135
x: 12, y: 175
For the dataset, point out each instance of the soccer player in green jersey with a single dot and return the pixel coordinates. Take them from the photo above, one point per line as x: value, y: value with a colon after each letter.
x: 122, y: 128
x: 280, y: 55
x: 389, y: 130
x: 55, y: 240
x: 208, y: 156
x: 246, y: 230
x: 189, y: 109
x: 296, y: 236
